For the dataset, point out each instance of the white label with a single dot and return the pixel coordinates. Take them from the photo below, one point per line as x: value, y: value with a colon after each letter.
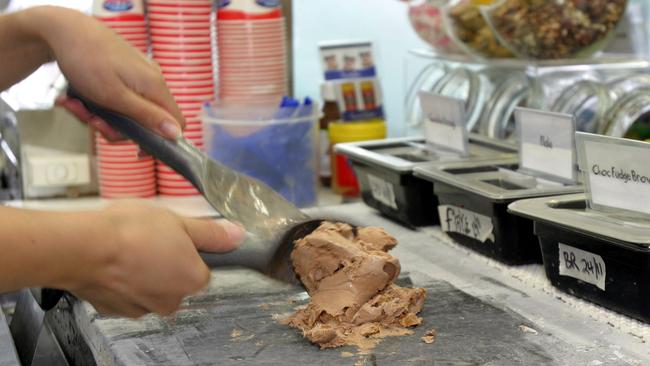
x: 444, y: 122
x: 547, y: 143
x: 382, y: 191
x: 618, y: 173
x: 582, y: 265
x: 459, y: 220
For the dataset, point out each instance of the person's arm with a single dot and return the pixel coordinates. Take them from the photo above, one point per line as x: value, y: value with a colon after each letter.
x: 22, y: 51
x: 129, y: 259
x: 97, y: 62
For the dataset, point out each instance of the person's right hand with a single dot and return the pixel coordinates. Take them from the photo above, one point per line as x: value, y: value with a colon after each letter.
x: 150, y: 259
x: 104, y: 68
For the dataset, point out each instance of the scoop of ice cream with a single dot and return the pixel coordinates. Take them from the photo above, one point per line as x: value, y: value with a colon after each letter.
x: 348, y: 274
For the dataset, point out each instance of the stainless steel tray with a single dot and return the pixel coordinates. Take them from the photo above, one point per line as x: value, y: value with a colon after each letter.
x: 570, y: 211
x: 404, y: 154
x: 495, y: 180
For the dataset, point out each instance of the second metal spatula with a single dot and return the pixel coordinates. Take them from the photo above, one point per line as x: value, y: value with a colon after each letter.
x: 239, y: 198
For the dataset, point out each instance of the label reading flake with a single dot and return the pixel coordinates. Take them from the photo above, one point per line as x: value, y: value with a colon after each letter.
x: 582, y: 265
x: 547, y: 143
x: 382, y: 191
x: 459, y: 220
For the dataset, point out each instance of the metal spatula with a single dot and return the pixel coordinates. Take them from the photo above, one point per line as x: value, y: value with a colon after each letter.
x: 274, y: 221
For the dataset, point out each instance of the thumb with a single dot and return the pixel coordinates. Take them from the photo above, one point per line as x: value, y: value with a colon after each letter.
x: 214, y: 235
x: 148, y: 114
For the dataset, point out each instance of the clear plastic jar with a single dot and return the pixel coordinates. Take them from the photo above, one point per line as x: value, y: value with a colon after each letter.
x: 554, y: 29
x: 628, y: 83
x: 424, y: 81
x: 467, y: 85
x: 466, y: 26
x: 498, y: 116
x: 588, y: 101
x: 630, y: 116
x: 426, y: 19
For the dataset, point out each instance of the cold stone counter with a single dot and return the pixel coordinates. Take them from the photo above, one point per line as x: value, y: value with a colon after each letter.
x: 485, y: 313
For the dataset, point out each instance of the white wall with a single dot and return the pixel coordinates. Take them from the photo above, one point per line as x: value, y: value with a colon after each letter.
x: 385, y: 22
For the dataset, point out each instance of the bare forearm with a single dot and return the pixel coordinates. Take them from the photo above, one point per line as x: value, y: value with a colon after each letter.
x: 44, y: 249
x: 22, y: 48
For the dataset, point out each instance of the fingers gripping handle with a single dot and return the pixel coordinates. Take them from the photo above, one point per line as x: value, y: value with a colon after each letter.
x: 169, y: 152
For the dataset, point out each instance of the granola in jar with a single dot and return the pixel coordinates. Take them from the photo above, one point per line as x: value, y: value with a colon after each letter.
x: 470, y: 29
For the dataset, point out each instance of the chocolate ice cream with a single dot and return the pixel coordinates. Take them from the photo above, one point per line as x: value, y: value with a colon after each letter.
x: 349, y: 277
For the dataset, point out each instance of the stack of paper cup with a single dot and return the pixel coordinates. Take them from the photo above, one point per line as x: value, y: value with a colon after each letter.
x: 181, y: 44
x: 252, y: 52
x: 122, y: 173
x: 126, y: 18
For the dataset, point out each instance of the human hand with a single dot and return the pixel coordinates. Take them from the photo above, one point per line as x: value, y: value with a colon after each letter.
x: 149, y: 259
x: 108, y: 71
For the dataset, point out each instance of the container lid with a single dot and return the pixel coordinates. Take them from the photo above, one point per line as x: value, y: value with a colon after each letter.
x: 570, y: 211
x: 402, y: 155
x: 328, y: 91
x: 497, y: 181
x: 357, y: 131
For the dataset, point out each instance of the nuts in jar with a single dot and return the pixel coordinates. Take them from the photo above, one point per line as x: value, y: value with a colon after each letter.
x: 470, y: 29
x: 552, y: 29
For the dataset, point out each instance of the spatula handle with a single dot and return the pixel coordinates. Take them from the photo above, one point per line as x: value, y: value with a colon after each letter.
x: 253, y: 254
x: 176, y: 154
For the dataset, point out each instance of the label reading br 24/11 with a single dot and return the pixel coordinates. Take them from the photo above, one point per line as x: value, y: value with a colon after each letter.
x: 459, y: 220
x: 382, y: 191
x: 582, y: 265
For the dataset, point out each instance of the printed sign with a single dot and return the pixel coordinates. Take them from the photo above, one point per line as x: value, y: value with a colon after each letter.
x: 347, y: 60
x: 582, y: 265
x: 617, y: 172
x: 359, y: 99
x: 547, y: 143
x: 382, y: 191
x: 444, y: 122
x: 459, y: 220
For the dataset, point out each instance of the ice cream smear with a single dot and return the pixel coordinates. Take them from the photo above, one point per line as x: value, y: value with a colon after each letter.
x: 349, y: 275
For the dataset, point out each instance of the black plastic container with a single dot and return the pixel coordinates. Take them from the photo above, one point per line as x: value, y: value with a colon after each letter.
x: 617, y: 262
x: 479, y: 194
x: 384, y: 169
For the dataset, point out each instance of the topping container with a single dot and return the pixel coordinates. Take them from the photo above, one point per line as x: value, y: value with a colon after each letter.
x: 384, y: 169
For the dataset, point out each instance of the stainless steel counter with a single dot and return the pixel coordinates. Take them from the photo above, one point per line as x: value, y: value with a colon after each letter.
x: 8, y: 356
x: 485, y: 313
